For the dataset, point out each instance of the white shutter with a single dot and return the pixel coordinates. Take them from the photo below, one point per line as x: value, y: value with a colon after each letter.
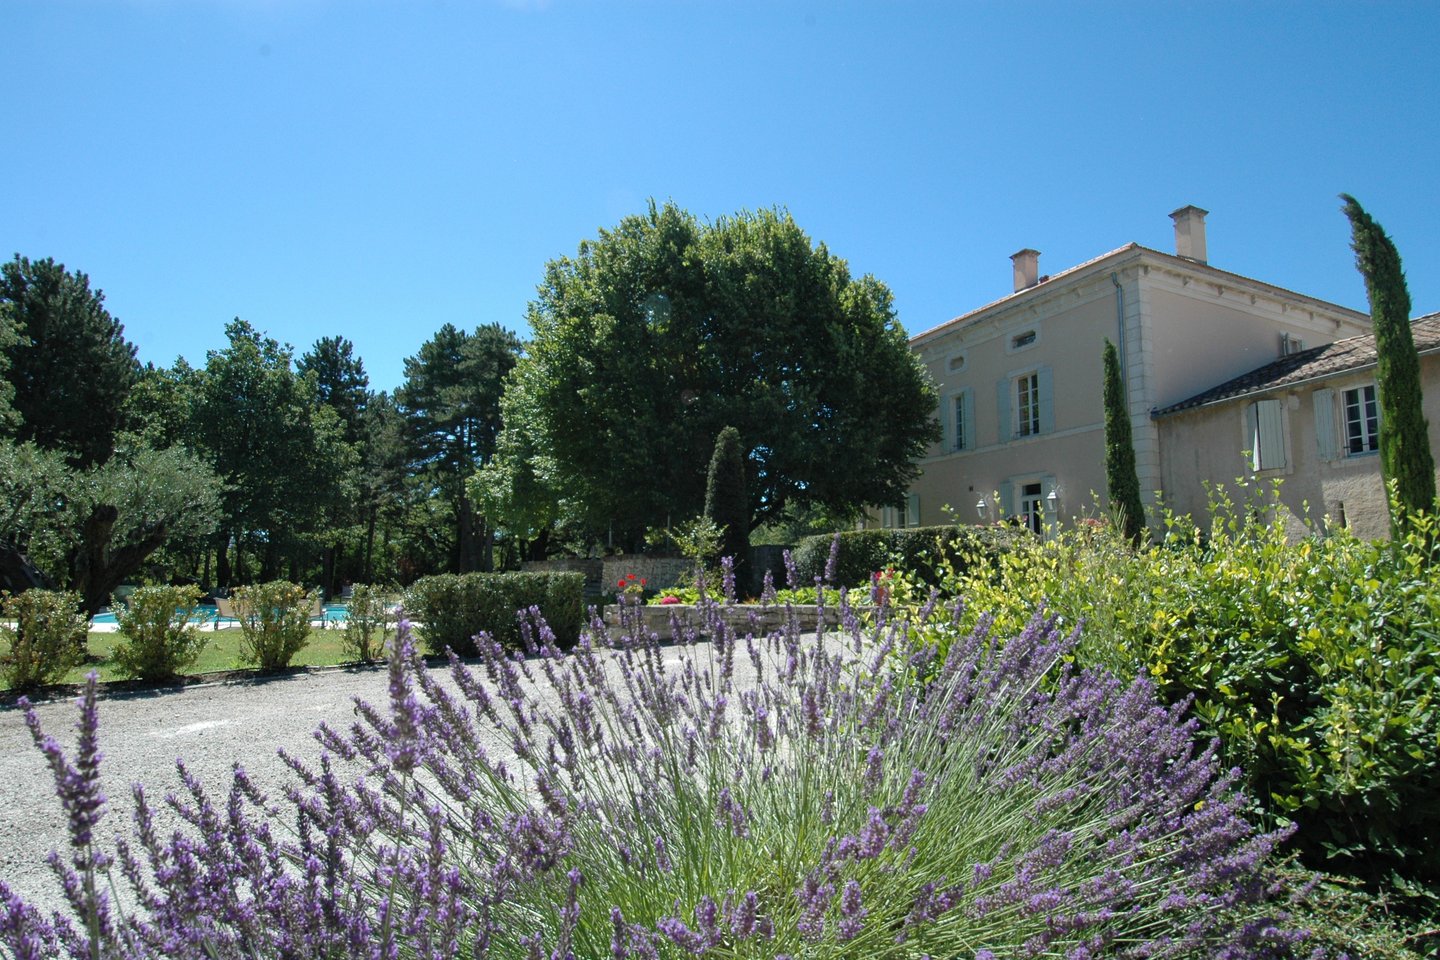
x: 1267, y: 441
x: 1327, y: 441
x: 912, y: 510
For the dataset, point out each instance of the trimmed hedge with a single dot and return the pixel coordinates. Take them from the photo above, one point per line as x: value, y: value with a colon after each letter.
x: 452, y: 608
x: 919, y: 550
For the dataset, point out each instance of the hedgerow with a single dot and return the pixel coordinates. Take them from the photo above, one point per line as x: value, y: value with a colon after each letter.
x: 1316, y: 661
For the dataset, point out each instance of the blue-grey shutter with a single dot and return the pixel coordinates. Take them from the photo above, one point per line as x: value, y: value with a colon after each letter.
x: 1002, y: 407
x: 912, y: 510
x: 1046, y: 384
x: 1005, y: 509
x: 1327, y: 442
x: 967, y: 412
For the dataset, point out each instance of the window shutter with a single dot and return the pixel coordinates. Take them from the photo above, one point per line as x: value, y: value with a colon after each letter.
x: 1005, y: 509
x: 967, y: 412
x: 912, y: 510
x: 1327, y: 442
x: 1267, y: 447
x: 1002, y: 406
x: 1046, y: 383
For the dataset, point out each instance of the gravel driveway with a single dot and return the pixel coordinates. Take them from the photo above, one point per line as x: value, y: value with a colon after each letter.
x: 210, y: 726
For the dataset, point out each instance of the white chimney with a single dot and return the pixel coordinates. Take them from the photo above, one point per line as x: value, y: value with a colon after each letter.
x: 1027, y: 268
x: 1190, y: 233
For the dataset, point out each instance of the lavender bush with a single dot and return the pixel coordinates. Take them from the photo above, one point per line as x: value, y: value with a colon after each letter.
x: 784, y: 797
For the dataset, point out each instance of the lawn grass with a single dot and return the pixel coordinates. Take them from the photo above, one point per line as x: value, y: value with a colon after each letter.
x: 221, y: 653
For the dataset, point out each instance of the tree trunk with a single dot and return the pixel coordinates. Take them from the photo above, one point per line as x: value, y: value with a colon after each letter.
x: 370, y: 545
x: 95, y: 569
x: 222, y: 561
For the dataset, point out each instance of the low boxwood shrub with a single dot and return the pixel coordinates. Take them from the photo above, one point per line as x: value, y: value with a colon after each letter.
x: 158, y: 640
x: 453, y: 608
x: 274, y: 622
x: 925, y: 552
x: 42, y: 639
x: 368, y: 618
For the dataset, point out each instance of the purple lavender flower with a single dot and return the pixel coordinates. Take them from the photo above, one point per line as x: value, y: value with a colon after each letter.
x: 833, y: 560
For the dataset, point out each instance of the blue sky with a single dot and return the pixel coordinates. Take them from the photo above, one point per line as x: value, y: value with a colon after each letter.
x: 377, y: 168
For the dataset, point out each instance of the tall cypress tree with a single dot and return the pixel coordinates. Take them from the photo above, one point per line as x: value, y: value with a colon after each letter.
x: 727, y: 504
x: 1121, y: 477
x: 1405, y: 454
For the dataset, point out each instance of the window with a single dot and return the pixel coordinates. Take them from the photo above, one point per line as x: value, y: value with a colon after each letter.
x: 1025, y: 402
x: 1362, y: 421
x: 962, y: 413
x: 1027, y: 405
x: 1264, y: 424
x: 894, y: 518
x: 1032, y: 506
x: 1021, y: 340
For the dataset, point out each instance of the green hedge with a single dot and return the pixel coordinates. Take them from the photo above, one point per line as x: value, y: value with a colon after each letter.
x: 1315, y: 660
x: 452, y: 608
x: 923, y: 551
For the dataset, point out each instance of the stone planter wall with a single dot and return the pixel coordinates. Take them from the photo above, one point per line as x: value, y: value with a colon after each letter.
x: 657, y: 618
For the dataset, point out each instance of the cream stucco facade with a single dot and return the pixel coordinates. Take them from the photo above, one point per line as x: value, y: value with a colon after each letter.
x: 1321, y: 410
x: 1020, y: 379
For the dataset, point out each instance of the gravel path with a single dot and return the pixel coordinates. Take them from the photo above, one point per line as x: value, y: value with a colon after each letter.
x: 210, y: 726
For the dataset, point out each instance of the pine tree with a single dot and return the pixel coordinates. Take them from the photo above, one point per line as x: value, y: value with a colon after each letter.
x: 727, y: 503
x: 1120, y: 475
x: 1405, y: 457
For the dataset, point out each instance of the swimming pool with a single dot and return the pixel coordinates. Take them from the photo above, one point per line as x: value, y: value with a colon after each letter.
x: 331, y: 613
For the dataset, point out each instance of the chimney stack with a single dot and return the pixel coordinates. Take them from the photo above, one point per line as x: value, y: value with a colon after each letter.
x: 1190, y: 233
x: 1027, y: 268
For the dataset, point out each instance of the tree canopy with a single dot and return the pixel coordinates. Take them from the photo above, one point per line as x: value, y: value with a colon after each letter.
x: 281, y: 452
x: 451, y: 401
x: 70, y: 366
x: 664, y: 330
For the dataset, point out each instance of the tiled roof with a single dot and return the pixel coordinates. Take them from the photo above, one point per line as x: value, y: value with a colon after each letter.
x: 1355, y: 353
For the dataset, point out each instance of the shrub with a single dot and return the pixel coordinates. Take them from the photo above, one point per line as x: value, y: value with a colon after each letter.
x: 926, y: 552
x: 1012, y: 807
x: 44, y: 640
x: 368, y: 618
x: 158, y: 640
x: 274, y: 622
x: 453, y: 608
x: 1316, y: 661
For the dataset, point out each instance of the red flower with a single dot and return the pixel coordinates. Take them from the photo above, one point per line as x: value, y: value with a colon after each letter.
x: 642, y: 581
x: 620, y: 583
x: 669, y: 600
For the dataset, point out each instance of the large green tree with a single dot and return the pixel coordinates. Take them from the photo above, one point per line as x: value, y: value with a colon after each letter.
x: 664, y: 330
x: 1405, y: 457
x: 451, y: 401
x: 71, y: 367
x: 90, y: 530
x: 340, y: 381
x: 9, y: 338
x: 1121, y: 478
x: 281, y: 452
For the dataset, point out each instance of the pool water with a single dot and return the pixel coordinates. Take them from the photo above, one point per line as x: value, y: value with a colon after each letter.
x: 332, y: 613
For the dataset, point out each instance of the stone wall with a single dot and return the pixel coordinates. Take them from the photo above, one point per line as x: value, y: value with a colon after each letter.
x: 657, y: 572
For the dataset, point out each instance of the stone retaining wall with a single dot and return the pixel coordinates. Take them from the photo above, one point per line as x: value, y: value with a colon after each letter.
x: 742, y: 617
